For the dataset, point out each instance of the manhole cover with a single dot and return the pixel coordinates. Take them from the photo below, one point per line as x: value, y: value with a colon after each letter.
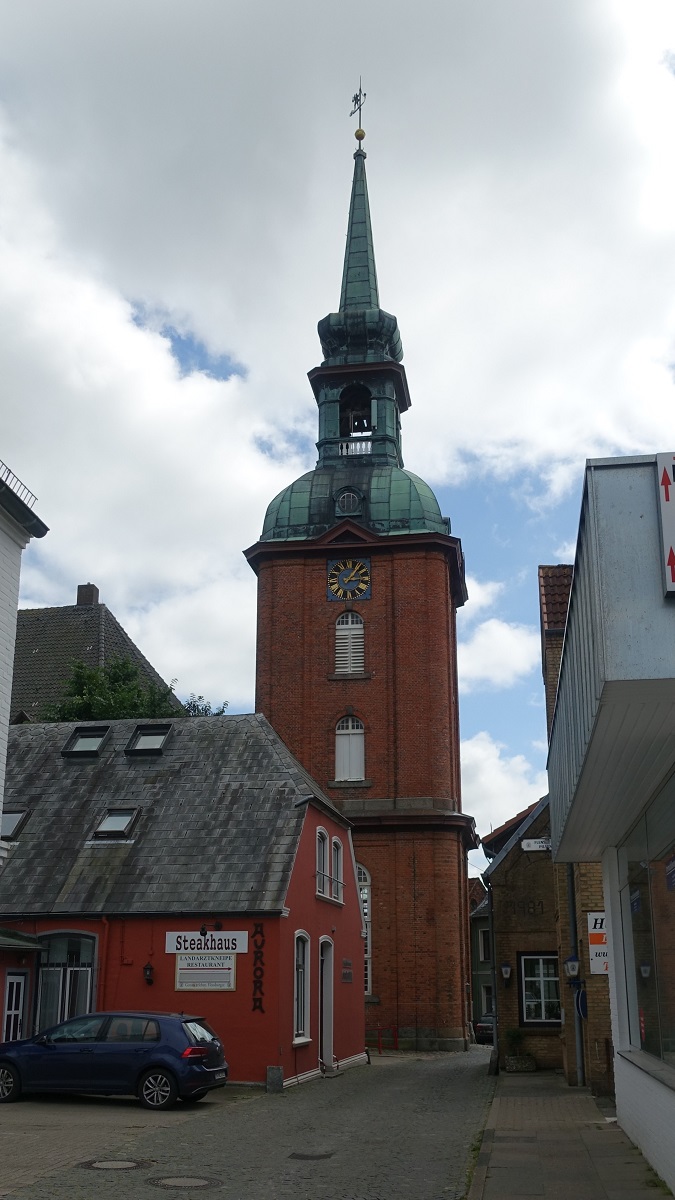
x: 313, y: 1157
x: 111, y: 1164
x: 184, y: 1181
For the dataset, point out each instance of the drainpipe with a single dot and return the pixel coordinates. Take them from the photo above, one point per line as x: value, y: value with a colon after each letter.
x: 494, y: 1057
x: 578, y: 1036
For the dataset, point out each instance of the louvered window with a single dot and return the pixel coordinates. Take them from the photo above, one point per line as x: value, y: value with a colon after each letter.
x: 349, y: 749
x: 349, y: 644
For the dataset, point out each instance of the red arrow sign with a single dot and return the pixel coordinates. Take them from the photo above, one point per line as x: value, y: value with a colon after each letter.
x: 671, y: 563
x: 666, y: 484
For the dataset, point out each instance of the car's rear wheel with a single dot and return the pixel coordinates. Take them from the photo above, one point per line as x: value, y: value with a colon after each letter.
x: 194, y: 1097
x: 157, y: 1089
x: 10, y: 1084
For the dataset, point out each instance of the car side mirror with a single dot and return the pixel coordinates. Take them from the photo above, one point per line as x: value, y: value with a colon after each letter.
x: 43, y: 1040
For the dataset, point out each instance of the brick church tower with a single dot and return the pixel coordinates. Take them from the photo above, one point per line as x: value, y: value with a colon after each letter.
x: 359, y: 580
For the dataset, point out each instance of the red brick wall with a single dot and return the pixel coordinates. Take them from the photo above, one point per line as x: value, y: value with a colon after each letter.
x: 408, y: 705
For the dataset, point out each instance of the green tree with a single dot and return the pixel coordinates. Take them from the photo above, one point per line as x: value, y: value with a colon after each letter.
x: 197, y: 706
x: 111, y: 692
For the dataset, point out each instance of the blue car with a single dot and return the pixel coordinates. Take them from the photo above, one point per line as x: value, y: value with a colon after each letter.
x: 158, y: 1057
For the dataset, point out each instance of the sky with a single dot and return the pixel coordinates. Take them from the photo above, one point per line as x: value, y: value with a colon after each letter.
x: 176, y: 181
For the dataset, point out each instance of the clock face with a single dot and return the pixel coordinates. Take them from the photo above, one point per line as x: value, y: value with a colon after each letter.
x: 349, y: 579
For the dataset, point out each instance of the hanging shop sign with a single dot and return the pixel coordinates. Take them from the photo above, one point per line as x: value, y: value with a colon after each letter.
x: 205, y: 972
x: 220, y: 941
x: 597, y: 943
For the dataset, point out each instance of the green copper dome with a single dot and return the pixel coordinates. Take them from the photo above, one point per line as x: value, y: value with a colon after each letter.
x: 384, y: 499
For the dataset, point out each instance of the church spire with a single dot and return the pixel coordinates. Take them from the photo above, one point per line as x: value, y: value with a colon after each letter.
x: 359, y: 277
x: 361, y: 331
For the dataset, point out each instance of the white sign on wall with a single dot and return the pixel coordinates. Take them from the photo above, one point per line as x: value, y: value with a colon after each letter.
x: 219, y: 941
x: 597, y: 943
x: 205, y: 972
x: 665, y: 478
x: 530, y: 844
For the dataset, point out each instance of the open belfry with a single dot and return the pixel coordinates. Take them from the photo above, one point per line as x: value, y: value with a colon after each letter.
x: 359, y: 580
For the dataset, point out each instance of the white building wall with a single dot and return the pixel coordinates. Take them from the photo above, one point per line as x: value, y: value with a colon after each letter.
x: 13, y: 539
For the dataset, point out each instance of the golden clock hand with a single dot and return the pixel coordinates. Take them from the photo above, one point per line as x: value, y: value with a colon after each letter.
x: 350, y: 578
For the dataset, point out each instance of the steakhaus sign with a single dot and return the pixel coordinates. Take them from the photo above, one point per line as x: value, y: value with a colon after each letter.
x: 224, y: 941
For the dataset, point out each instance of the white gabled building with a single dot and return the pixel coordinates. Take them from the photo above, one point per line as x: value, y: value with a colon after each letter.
x: 612, y: 770
x: 18, y: 524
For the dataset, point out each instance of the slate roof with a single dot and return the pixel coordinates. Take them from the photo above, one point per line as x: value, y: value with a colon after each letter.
x: 221, y: 812
x: 49, y: 640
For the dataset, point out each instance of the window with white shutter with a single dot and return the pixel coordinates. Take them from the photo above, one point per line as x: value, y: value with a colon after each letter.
x: 349, y: 644
x: 349, y: 749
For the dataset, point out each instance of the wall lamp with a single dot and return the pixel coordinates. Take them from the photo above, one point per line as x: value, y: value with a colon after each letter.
x: 204, y: 929
x: 506, y: 972
x: 571, y: 967
x: 645, y: 970
x: 149, y: 973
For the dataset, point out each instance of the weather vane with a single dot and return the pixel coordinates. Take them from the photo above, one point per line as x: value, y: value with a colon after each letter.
x: 358, y: 100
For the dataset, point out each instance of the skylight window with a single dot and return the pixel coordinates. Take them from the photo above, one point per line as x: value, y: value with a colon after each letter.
x: 148, y: 739
x: 12, y: 823
x: 117, y: 823
x: 86, y: 741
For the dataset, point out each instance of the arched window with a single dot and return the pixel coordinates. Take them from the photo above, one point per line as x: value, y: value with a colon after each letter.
x: 348, y: 504
x: 337, y: 882
x: 349, y: 749
x: 355, y: 411
x: 322, y: 874
x: 363, y: 880
x: 349, y: 644
x: 301, y: 993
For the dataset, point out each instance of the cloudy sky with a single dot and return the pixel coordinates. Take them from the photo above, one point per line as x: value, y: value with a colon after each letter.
x: 175, y: 189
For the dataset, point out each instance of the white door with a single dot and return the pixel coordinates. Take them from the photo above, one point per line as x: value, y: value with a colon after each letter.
x: 326, y: 1004
x: 12, y: 1024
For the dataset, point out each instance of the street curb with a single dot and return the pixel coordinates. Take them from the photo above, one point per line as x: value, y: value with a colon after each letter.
x: 479, y: 1176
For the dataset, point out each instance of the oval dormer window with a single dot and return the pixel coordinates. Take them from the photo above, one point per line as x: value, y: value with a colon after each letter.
x: 348, y: 504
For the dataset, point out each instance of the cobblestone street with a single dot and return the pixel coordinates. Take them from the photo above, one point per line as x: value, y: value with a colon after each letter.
x: 402, y: 1128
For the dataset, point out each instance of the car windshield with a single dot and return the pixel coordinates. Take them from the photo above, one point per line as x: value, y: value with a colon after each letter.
x: 200, y: 1031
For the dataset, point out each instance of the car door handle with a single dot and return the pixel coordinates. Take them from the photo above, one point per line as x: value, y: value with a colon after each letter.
x: 86, y: 1050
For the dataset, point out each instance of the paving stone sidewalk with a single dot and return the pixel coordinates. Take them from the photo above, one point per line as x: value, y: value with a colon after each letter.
x: 404, y: 1128
x: 543, y: 1138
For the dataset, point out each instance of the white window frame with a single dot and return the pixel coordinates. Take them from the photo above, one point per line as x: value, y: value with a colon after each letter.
x: 541, y: 980
x: 337, y: 886
x: 301, y: 989
x: 322, y: 864
x: 365, y: 900
x: 484, y: 954
x: 349, y: 644
x: 350, y: 754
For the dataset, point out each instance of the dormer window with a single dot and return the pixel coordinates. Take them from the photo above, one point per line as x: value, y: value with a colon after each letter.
x: 12, y: 823
x: 148, y: 739
x: 348, y: 504
x: 117, y: 823
x: 86, y: 741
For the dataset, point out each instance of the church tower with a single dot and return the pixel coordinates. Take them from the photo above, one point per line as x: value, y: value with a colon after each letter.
x: 359, y: 579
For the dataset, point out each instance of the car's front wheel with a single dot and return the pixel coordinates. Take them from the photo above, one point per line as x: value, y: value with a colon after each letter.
x: 157, y: 1089
x: 10, y: 1084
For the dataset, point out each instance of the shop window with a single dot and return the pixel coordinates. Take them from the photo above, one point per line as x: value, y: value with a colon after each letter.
x: 349, y: 749
x: 349, y: 644
x: 363, y: 881
x: 322, y: 875
x: 301, y: 993
x: 540, y: 989
x: 647, y: 881
x: 337, y: 882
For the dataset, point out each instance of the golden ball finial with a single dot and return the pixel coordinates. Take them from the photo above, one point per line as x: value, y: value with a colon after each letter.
x: 360, y: 134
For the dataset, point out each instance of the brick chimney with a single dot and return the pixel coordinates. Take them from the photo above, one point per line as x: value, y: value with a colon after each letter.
x: 87, y: 593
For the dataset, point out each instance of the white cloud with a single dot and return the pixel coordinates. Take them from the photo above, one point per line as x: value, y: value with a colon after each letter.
x: 482, y: 595
x: 496, y: 786
x: 566, y: 553
x: 497, y: 655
